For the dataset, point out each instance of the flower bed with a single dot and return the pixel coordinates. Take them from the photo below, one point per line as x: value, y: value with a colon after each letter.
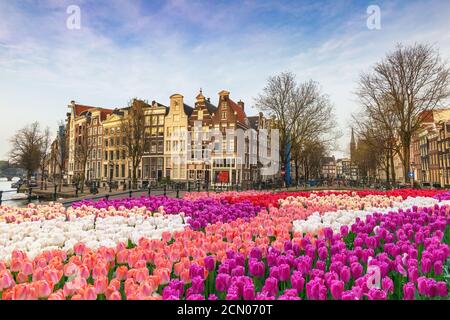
x: 150, y: 248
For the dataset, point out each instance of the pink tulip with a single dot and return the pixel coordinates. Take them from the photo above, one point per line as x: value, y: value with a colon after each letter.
x: 100, y: 285
x: 89, y: 293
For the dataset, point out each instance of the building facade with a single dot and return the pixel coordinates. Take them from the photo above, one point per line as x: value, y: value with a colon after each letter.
x: 175, y: 138
x: 153, y: 158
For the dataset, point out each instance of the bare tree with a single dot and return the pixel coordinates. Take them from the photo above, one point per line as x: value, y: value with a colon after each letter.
x: 44, y: 155
x: 302, y: 111
x: 133, y: 135
x: 58, y: 155
x: 408, y: 82
x: 83, y: 149
x: 26, y: 148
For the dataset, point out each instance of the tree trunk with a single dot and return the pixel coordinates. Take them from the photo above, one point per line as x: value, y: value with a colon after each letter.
x: 406, y: 158
x: 387, y: 168
x: 391, y: 156
x: 296, y: 161
x: 42, y: 177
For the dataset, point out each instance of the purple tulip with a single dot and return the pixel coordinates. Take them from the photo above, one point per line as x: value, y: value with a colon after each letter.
x: 297, y: 282
x: 196, y: 271
x: 356, y: 270
x: 345, y: 274
x: 256, y: 268
x: 328, y: 233
x: 438, y: 268
x: 323, y: 253
x: 442, y: 289
x: 344, y: 231
x: 238, y: 271
x: 426, y: 265
x: 198, y: 284
x: 249, y: 292
x: 337, y: 288
x: 409, y: 291
x: 210, y: 264
x: 195, y: 297
x: 348, y: 295
x: 271, y: 286
x: 376, y: 294
x: 285, y: 272
x: 222, y: 282
x: 388, y: 285
x: 256, y: 253
x: 275, y: 272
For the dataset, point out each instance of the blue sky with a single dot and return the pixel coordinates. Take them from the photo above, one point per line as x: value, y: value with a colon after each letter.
x: 152, y: 49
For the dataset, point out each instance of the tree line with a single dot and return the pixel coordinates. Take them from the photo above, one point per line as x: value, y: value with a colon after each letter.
x: 395, y: 96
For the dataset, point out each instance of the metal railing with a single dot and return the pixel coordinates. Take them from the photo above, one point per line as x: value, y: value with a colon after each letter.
x: 176, y: 188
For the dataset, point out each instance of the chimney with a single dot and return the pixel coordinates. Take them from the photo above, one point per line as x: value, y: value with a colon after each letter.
x: 224, y: 94
x: 241, y: 104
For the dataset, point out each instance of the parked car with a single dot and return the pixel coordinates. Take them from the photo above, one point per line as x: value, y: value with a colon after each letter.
x: 32, y: 184
x: 17, y: 184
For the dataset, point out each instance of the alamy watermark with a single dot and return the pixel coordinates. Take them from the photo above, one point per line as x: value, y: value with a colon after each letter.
x: 374, y: 17
x: 73, y: 21
x: 231, y: 148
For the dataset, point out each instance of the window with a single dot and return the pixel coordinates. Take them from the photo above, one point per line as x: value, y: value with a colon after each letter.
x: 100, y: 141
x: 123, y: 171
x: 224, y: 115
x: 154, y: 120
x: 200, y: 115
x: 100, y: 129
x: 112, y: 131
x: 106, y: 131
x: 106, y: 155
x: 161, y: 120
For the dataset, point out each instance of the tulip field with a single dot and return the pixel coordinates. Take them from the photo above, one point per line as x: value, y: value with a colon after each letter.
x: 254, y: 245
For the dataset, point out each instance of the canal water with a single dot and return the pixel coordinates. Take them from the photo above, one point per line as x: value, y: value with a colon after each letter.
x: 10, y: 198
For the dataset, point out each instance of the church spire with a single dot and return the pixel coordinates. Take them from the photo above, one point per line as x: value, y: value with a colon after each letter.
x: 352, y: 146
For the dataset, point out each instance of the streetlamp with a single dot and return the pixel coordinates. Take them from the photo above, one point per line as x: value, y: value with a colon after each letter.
x: 412, y: 173
x: 111, y: 164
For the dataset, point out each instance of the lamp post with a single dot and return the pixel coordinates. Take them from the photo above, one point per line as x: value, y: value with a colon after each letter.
x: 412, y: 173
x: 111, y: 164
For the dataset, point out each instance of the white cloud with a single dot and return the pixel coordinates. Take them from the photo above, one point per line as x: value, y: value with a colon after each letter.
x: 147, y: 54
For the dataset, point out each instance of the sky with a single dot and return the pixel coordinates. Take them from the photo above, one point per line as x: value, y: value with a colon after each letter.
x: 153, y: 49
